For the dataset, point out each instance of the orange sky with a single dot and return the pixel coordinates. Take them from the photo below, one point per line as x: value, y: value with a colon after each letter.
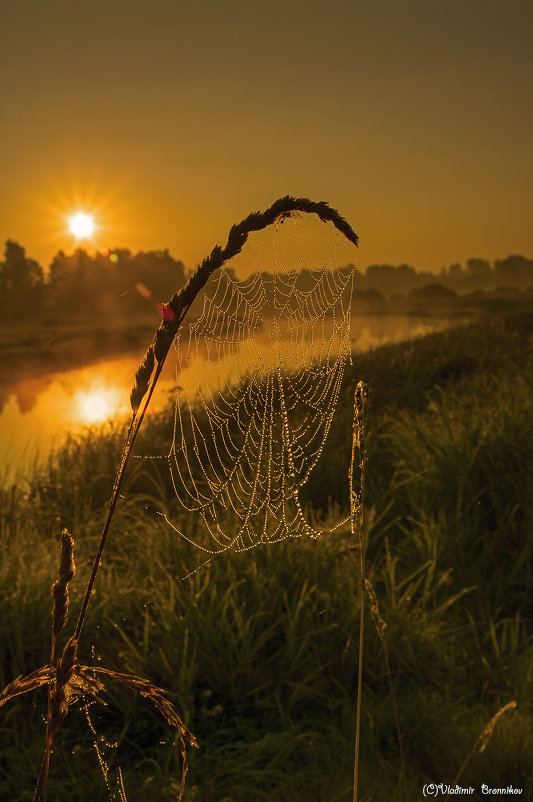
x: 172, y: 120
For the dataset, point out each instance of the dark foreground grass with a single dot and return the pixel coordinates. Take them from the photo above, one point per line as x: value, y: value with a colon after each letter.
x: 258, y: 650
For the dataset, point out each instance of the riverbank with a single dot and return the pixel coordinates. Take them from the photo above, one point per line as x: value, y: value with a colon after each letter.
x: 47, y: 347
x: 43, y: 401
x: 26, y: 350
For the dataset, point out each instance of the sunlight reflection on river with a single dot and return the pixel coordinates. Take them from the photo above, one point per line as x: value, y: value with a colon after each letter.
x: 38, y: 413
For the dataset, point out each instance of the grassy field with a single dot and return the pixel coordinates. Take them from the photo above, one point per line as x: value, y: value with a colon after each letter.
x: 258, y: 650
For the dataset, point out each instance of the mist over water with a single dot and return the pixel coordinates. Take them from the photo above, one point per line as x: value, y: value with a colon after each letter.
x: 38, y: 413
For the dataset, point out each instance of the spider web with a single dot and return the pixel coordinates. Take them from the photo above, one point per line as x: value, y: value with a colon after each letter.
x: 259, y: 368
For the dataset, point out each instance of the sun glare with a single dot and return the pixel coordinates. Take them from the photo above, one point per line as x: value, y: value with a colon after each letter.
x: 94, y: 407
x: 81, y: 225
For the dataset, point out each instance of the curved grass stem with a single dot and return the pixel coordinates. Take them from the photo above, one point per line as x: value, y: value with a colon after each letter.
x: 145, y: 382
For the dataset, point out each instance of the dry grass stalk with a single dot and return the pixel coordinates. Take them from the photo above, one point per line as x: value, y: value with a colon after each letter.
x: 357, y: 522
x: 22, y: 685
x: 67, y: 569
x: 57, y: 698
x: 80, y: 684
x: 162, y: 704
x: 481, y: 743
x: 68, y: 681
x: 181, y: 301
x: 64, y: 669
x: 381, y: 628
x: 176, y: 309
x: 149, y: 691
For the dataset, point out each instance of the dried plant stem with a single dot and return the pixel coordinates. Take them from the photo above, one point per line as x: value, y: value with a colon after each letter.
x: 58, y: 708
x: 67, y: 569
x: 381, y: 628
x: 57, y: 705
x: 482, y: 741
x: 177, y: 307
x: 133, y: 430
x: 145, y: 381
x: 25, y: 684
x: 357, y: 507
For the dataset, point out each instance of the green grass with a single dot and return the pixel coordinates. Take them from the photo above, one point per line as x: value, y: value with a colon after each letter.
x: 258, y: 650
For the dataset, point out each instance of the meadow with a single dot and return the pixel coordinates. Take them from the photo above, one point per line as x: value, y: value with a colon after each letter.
x: 258, y: 650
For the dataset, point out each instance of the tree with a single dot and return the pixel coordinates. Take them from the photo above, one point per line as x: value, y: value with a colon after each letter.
x: 69, y: 283
x: 479, y: 267
x: 21, y: 283
x: 389, y: 279
x: 433, y: 293
x: 515, y: 270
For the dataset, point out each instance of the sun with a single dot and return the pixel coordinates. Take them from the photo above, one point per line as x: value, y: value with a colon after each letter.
x: 81, y: 225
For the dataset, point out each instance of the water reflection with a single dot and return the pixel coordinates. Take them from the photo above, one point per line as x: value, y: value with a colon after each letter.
x: 98, y: 405
x: 37, y: 413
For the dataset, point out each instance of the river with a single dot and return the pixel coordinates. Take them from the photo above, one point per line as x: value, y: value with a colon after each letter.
x: 38, y: 413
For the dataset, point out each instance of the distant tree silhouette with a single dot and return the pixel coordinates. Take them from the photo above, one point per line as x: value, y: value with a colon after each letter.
x: 370, y: 296
x: 389, y: 279
x: 433, y: 293
x: 514, y: 270
x: 158, y: 271
x: 112, y: 282
x: 56, y: 272
x: 455, y: 271
x: 478, y: 275
x: 21, y: 284
x: 118, y: 283
x: 479, y: 267
x: 69, y: 284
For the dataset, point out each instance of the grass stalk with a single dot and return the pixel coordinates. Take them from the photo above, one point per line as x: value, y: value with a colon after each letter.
x: 481, y: 742
x: 381, y: 628
x: 357, y: 523
x: 131, y: 436
x: 174, y: 314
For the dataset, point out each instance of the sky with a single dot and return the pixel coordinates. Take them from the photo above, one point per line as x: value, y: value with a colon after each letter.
x: 169, y: 121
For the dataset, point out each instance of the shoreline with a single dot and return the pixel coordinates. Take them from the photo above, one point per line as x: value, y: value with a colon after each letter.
x: 53, y: 348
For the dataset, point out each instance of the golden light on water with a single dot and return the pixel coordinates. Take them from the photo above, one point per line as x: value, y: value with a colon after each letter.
x: 81, y: 225
x: 95, y: 407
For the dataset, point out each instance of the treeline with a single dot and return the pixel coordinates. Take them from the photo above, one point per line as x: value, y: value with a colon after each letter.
x: 478, y: 274
x: 81, y: 286
x: 116, y: 284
